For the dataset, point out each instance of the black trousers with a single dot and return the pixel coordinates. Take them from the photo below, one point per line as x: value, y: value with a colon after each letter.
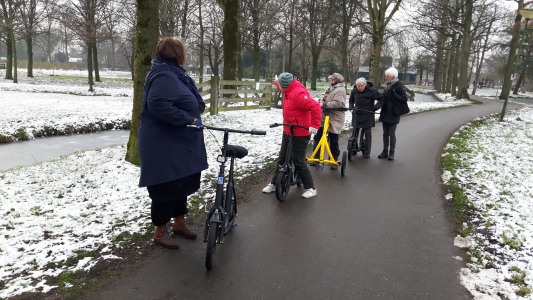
x: 169, y: 199
x: 368, y: 135
x: 389, y: 136
x: 299, y: 149
x: 333, y: 142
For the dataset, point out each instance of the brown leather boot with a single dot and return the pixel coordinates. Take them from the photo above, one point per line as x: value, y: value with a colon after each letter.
x: 180, y: 228
x: 162, y: 238
x: 391, y: 155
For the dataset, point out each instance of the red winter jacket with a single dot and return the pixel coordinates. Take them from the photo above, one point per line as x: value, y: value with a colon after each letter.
x: 299, y: 109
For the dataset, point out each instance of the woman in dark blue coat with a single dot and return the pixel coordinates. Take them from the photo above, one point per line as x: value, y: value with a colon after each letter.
x: 363, y: 97
x: 393, y: 94
x: 171, y: 155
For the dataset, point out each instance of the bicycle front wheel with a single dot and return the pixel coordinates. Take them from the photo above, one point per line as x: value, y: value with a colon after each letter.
x: 283, y: 184
x: 351, y: 149
x: 211, y: 244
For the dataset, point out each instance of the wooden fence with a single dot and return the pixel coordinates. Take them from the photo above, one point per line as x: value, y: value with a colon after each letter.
x: 226, y: 95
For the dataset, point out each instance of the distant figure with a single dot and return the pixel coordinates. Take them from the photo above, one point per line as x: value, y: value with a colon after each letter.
x: 171, y: 155
x: 394, y: 91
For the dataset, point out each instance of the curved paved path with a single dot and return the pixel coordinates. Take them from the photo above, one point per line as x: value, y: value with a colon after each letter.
x: 381, y: 232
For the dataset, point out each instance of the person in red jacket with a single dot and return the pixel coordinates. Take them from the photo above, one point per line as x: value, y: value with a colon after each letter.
x: 299, y: 109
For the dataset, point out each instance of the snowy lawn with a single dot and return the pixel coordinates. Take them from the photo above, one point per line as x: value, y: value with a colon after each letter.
x: 489, y: 172
x: 67, y: 215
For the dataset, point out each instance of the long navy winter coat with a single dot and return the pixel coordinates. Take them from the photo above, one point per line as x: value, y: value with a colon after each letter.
x: 365, y: 100
x: 394, y: 93
x: 168, y: 149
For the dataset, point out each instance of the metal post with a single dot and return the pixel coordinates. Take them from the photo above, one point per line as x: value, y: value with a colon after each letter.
x: 213, y: 102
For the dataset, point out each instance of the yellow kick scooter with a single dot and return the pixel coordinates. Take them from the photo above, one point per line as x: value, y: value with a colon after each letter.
x: 323, y: 145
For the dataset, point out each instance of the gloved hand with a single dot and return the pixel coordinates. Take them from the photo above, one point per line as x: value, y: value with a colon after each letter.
x: 313, y: 130
x: 197, y: 122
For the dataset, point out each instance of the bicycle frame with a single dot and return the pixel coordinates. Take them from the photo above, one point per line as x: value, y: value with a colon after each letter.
x: 323, y: 145
x: 217, y: 213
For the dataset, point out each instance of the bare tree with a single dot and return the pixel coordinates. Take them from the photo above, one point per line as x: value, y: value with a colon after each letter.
x: 9, y: 8
x: 230, y: 33
x: 33, y: 12
x: 379, y: 19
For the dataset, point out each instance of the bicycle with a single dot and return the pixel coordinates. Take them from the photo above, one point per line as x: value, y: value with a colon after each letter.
x: 353, y: 145
x: 323, y: 145
x: 220, y: 219
x: 287, y: 176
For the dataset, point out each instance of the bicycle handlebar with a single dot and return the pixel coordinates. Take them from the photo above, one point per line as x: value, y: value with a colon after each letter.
x: 346, y: 109
x: 282, y: 124
x: 255, y: 132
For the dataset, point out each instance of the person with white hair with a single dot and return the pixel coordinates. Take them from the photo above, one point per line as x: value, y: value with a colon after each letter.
x: 393, y: 94
x: 363, y: 99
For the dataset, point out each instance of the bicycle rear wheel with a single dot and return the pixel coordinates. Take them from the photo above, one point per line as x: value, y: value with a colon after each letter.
x: 283, y: 184
x: 211, y: 244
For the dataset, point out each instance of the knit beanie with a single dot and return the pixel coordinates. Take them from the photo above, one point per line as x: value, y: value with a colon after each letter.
x: 285, y: 79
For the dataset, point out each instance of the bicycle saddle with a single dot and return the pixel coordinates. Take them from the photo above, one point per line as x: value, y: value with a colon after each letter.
x: 236, y: 151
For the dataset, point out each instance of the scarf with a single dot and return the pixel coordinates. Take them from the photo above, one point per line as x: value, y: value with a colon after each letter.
x: 389, y: 84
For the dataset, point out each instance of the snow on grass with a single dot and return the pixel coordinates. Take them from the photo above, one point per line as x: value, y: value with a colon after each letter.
x: 66, y: 215
x: 494, y: 168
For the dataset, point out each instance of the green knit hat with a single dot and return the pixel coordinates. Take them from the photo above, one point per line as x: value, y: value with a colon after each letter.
x: 285, y: 79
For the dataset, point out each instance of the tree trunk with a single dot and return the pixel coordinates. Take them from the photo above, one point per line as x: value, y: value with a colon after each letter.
x: 465, y: 52
x: 146, y: 41
x: 15, y: 73
x: 525, y: 65
x: 455, y: 64
x: 511, y: 60
x: 230, y: 35
x: 256, y: 36
x: 9, y: 49
x: 291, y: 37
x: 29, y: 45
x: 95, y: 60
x: 375, y: 58
x: 200, y: 80
x: 90, y: 66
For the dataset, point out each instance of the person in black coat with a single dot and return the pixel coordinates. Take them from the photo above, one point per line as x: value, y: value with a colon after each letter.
x: 363, y: 98
x: 171, y: 155
x: 393, y: 94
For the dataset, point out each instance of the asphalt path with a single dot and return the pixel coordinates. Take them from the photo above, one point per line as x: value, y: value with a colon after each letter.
x: 381, y: 232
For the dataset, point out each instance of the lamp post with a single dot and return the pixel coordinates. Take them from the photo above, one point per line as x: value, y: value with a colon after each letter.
x: 528, y: 15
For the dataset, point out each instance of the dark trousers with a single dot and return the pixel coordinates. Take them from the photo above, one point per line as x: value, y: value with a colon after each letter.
x: 163, y: 211
x: 333, y: 142
x: 389, y: 136
x: 368, y: 135
x: 169, y: 199
x: 299, y: 149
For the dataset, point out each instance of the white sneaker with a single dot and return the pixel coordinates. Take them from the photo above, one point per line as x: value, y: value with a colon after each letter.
x: 309, y: 193
x: 269, y: 188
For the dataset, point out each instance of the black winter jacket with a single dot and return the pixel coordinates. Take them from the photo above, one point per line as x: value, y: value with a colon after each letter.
x: 365, y: 100
x: 395, y: 93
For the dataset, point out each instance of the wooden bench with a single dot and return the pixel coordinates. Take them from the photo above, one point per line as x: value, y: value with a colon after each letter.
x: 2, y: 66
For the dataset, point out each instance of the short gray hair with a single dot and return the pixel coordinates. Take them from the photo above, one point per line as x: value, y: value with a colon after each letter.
x: 361, y: 80
x: 336, y: 77
x: 392, y: 72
